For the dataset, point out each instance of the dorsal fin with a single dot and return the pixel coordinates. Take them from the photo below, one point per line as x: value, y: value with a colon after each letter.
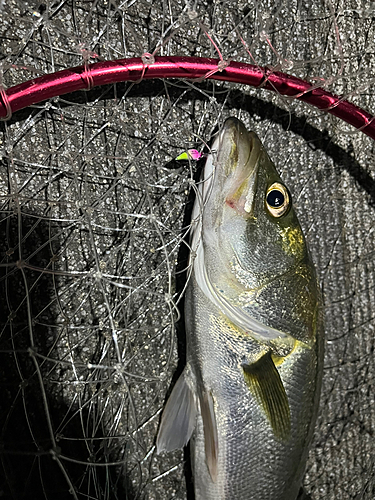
x: 264, y: 382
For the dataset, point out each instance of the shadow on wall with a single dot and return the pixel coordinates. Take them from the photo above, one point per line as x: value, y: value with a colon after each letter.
x: 31, y: 401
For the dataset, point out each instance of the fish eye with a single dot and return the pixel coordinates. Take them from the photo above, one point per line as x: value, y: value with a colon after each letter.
x: 277, y: 199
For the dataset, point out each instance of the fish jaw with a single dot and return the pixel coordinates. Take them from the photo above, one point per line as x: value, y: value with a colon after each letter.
x: 228, y: 181
x: 235, y: 170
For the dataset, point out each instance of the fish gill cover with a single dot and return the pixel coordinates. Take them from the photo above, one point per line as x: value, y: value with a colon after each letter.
x: 93, y: 232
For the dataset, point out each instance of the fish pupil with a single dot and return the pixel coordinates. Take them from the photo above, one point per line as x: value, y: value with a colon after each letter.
x: 275, y: 198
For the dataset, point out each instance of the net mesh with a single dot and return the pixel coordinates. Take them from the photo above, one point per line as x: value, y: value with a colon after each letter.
x: 93, y: 231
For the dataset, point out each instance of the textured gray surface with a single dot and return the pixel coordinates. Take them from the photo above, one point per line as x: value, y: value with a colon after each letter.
x: 93, y: 209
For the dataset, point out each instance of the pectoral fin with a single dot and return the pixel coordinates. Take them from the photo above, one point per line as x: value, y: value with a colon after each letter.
x: 210, y: 432
x: 264, y: 382
x: 179, y: 417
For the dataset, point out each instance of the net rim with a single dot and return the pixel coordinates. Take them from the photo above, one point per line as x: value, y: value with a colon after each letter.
x: 87, y: 76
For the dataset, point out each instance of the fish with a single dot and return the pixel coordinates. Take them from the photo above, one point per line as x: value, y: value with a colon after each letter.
x: 248, y: 397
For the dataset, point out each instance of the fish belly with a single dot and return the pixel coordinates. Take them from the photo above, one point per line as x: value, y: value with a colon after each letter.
x: 252, y: 463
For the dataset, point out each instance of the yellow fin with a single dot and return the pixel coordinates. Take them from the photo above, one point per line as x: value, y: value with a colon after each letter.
x: 264, y: 382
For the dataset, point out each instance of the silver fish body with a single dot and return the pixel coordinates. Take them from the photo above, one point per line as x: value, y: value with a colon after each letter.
x: 249, y: 393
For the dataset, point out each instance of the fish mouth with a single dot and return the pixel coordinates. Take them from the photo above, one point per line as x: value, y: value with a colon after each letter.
x: 231, y: 176
x: 229, y: 179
